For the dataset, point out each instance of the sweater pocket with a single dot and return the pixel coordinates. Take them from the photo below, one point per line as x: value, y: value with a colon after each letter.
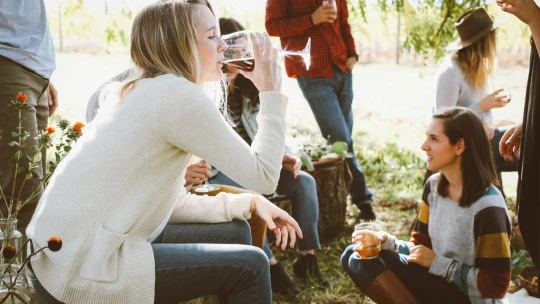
x: 101, y: 265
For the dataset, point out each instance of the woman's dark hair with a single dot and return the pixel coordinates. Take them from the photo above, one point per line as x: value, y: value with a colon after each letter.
x: 477, y: 168
x: 245, y: 87
x: 229, y: 26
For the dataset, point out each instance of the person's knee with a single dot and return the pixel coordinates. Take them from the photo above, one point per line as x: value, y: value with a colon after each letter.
x: 358, y: 266
x: 361, y: 271
x: 256, y: 260
x: 307, y: 188
x: 241, y: 231
x: 393, y: 260
x: 306, y: 181
x: 345, y: 257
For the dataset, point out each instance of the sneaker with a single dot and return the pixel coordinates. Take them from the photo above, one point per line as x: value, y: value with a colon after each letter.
x: 281, y: 282
x: 366, y: 211
x: 307, y: 265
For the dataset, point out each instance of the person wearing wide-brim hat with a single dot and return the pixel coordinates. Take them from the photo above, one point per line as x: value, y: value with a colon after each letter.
x: 471, y: 27
x: 463, y: 78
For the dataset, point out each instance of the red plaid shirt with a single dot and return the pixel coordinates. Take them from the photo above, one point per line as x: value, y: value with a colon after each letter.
x: 331, y: 43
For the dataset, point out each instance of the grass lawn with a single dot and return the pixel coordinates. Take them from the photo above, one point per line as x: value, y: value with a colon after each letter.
x: 392, y: 105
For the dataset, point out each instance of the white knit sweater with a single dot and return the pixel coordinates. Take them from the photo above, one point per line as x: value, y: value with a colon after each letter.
x: 125, y: 175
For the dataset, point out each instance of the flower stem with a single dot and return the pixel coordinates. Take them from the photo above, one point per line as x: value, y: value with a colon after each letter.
x: 17, y: 160
x: 16, y: 255
x: 28, y: 258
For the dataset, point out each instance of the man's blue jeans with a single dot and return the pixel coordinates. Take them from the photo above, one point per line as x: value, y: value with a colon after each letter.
x: 331, y: 103
x: 427, y: 288
x: 194, y: 260
x: 304, y: 205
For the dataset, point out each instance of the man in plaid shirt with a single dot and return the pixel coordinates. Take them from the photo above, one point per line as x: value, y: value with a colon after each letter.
x: 327, y: 85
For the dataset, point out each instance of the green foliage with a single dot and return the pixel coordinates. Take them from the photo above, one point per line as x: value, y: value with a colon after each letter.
x: 306, y: 161
x: 393, y: 172
x: 520, y: 261
x: 429, y: 23
x: 117, y: 26
x: 339, y: 147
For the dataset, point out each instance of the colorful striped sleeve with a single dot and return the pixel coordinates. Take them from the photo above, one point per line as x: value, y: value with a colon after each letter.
x: 490, y: 276
x: 420, y: 234
x: 492, y: 230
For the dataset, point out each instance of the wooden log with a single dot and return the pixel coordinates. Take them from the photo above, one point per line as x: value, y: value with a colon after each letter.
x: 333, y: 181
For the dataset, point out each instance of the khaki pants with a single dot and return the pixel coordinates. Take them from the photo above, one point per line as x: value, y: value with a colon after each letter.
x: 15, y: 78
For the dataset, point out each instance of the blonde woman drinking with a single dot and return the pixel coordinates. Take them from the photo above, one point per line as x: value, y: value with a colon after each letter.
x: 122, y: 184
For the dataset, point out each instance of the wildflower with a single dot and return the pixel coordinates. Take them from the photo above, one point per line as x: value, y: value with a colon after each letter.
x: 21, y: 97
x: 9, y: 252
x: 54, y: 244
x: 63, y: 124
x: 51, y: 130
x: 78, y: 126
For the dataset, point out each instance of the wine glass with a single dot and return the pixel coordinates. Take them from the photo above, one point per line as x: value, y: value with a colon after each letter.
x: 506, y: 93
x: 330, y: 2
x: 239, y: 52
x: 369, y: 246
x: 205, y: 188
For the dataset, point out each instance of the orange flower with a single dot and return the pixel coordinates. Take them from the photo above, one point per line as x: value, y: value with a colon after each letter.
x: 51, y: 130
x: 78, y: 126
x: 54, y: 244
x: 21, y: 97
x: 9, y: 252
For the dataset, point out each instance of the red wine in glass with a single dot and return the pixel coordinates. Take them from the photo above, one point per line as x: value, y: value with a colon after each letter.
x: 247, y: 64
x: 239, y: 52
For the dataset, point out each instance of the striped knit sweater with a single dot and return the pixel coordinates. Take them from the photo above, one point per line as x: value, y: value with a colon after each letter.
x: 472, y: 244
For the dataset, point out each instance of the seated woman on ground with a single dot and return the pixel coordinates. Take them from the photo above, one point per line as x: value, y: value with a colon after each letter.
x: 122, y: 184
x: 464, y: 78
x: 243, y: 105
x: 459, y: 251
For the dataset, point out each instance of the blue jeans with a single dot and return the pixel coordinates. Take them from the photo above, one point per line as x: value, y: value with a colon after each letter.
x: 304, y: 204
x: 427, y: 288
x: 194, y: 260
x: 331, y: 102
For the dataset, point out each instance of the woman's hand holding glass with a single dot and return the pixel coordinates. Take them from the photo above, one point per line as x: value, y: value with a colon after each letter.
x: 279, y: 221
x: 197, y: 173
x: 360, y: 235
x: 266, y: 75
x: 494, y: 100
x: 509, y: 144
x: 368, y: 239
x: 526, y: 10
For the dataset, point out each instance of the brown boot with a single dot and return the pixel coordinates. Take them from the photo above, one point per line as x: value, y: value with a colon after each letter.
x: 387, y: 288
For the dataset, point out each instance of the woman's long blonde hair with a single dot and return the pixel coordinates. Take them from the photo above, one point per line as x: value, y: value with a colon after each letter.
x: 477, y: 61
x: 163, y: 41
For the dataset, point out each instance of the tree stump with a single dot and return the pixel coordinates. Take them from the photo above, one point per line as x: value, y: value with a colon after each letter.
x: 333, y: 179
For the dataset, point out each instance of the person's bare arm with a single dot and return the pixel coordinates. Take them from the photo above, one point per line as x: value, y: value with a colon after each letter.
x: 528, y: 12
